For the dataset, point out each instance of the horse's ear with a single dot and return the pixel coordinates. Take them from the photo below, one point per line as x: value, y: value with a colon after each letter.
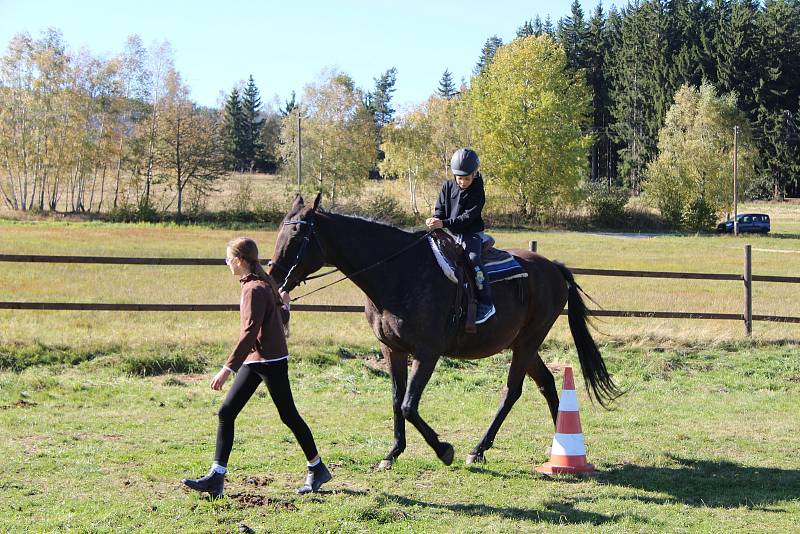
x: 316, y: 200
x: 298, y: 202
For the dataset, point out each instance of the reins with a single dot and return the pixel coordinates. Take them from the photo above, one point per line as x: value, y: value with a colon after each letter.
x: 376, y: 264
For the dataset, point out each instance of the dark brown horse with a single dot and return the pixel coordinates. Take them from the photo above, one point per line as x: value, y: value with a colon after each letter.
x: 409, y: 307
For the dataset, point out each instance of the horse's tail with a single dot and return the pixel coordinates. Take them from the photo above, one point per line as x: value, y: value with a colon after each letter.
x: 593, y: 367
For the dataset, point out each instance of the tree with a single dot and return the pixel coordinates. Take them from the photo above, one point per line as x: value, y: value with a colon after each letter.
x: 690, y: 181
x: 594, y: 56
x: 447, y: 87
x: 189, y: 148
x: 268, y: 155
x: 251, y: 125
x: 573, y: 37
x: 233, y: 137
x: 530, y: 113
x: 527, y: 29
x: 338, y: 136
x: 418, y: 147
x: 406, y: 147
x: 381, y: 98
x: 289, y: 106
x: 161, y: 62
x: 488, y: 52
x: 778, y: 90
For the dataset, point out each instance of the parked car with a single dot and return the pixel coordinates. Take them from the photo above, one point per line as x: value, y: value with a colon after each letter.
x: 756, y: 223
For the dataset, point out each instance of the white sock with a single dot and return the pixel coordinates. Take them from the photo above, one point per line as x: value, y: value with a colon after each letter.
x: 221, y: 469
x: 315, y: 463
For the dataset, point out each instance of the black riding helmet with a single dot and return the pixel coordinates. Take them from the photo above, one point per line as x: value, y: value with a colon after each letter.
x: 464, y: 161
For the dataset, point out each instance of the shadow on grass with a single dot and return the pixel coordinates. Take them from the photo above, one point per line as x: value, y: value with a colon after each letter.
x: 557, y: 512
x: 704, y: 483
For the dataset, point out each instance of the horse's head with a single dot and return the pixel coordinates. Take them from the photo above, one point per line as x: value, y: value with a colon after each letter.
x: 298, y: 252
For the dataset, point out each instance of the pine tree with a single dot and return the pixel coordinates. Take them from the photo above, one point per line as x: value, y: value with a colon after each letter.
x: 547, y: 27
x: 526, y: 30
x: 688, y: 22
x: 251, y: 125
x: 380, y: 100
x: 232, y: 131
x: 538, y: 29
x: 447, y: 87
x: 289, y: 106
x: 596, y: 45
x: 778, y: 91
x: 487, y: 53
x: 572, y: 36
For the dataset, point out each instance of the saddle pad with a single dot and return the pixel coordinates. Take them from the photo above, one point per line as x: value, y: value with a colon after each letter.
x: 498, y: 264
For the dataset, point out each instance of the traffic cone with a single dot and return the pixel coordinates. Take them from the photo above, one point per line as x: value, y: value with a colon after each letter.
x: 567, y: 454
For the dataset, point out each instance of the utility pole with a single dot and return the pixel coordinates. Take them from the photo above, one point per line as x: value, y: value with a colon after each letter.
x: 299, y: 153
x: 735, y: 180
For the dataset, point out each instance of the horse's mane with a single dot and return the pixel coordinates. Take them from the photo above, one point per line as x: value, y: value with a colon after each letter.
x: 373, y: 222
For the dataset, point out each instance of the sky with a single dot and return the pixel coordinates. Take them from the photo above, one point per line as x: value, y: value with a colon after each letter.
x: 286, y: 44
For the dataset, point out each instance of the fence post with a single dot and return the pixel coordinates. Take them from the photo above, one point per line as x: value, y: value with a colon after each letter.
x: 748, y: 291
x: 533, y: 246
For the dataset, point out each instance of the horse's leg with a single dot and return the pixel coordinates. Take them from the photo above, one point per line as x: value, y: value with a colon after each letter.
x: 509, y: 395
x: 421, y: 371
x: 398, y: 369
x: 547, y: 384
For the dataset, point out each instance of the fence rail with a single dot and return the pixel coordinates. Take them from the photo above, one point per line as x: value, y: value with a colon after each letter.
x: 747, y: 278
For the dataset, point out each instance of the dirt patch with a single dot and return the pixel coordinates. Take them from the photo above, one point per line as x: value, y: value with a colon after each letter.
x: 259, y: 481
x: 22, y: 403
x: 377, y: 365
x: 252, y: 500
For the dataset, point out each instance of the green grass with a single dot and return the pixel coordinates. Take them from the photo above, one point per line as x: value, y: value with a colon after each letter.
x: 703, y: 441
x: 103, y: 412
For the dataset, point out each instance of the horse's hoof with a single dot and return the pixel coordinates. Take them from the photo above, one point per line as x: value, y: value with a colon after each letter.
x: 385, y: 465
x: 447, y: 454
x: 476, y: 458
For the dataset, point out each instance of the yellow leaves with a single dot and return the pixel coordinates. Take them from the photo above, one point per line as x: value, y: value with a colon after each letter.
x: 529, y: 112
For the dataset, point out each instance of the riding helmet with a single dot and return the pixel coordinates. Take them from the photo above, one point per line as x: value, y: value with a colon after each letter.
x: 464, y: 161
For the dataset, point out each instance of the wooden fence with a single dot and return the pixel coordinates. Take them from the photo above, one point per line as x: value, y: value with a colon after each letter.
x: 747, y: 278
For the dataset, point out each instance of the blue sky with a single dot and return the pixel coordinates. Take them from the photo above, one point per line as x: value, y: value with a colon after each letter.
x: 286, y: 44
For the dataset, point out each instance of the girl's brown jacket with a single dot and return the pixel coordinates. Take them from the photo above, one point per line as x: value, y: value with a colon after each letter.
x: 262, y: 316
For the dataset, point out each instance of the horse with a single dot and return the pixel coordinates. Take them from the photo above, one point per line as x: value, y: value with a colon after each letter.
x: 409, y: 306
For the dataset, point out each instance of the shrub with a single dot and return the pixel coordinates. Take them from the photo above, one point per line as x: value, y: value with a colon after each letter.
x: 606, y: 205
x: 387, y: 209
x: 699, y: 215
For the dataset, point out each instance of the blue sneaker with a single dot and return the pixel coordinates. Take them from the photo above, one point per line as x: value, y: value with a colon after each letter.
x: 484, y: 312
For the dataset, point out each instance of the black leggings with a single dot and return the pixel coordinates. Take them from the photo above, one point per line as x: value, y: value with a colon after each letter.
x: 276, y: 376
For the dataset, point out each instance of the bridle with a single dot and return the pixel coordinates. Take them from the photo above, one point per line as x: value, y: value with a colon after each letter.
x: 306, y: 240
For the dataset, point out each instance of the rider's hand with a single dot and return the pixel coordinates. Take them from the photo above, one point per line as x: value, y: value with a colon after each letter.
x: 285, y: 297
x: 219, y: 379
x: 433, y: 223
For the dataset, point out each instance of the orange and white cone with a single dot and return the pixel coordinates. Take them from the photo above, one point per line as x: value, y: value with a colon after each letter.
x: 567, y: 454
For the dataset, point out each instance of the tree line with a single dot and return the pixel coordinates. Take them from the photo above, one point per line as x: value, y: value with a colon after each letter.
x: 584, y: 110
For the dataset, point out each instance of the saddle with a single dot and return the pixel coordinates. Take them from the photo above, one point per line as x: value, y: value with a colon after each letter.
x: 498, y: 265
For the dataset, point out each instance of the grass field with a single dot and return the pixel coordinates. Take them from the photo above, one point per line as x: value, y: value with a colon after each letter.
x: 102, y: 412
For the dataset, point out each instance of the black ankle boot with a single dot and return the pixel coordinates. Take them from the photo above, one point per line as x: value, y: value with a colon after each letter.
x: 213, y: 483
x: 317, y: 476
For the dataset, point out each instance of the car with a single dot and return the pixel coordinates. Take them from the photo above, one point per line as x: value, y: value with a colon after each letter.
x: 756, y: 223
